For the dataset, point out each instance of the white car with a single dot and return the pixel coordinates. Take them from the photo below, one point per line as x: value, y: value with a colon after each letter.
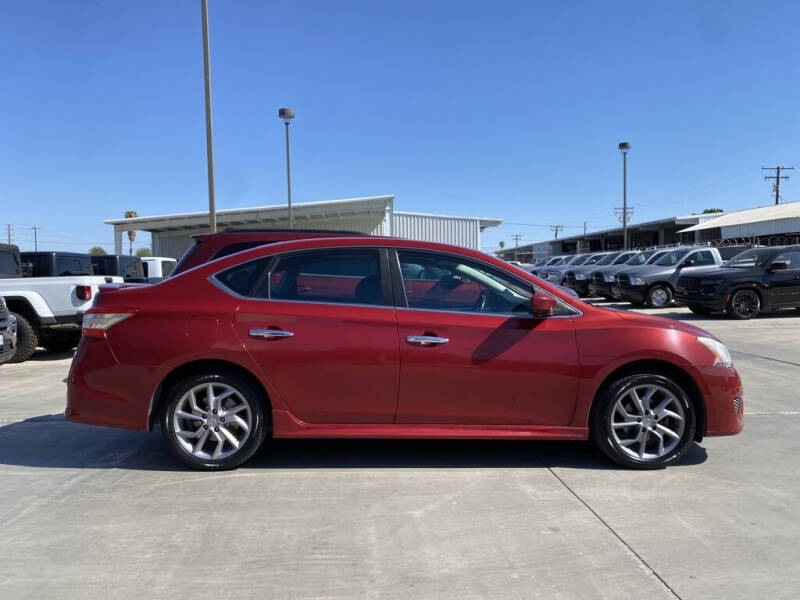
x: 158, y: 267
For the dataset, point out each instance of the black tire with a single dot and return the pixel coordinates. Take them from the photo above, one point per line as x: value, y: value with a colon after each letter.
x: 743, y: 304
x: 246, y: 391
x: 604, y: 411
x: 62, y: 341
x: 659, y: 296
x: 700, y: 310
x: 27, y: 339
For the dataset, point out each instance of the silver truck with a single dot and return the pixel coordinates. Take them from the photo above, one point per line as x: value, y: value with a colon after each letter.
x: 48, y: 302
x: 653, y: 284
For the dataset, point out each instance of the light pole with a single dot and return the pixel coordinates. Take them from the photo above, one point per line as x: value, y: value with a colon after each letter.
x: 287, y: 114
x: 212, y: 210
x: 624, y: 147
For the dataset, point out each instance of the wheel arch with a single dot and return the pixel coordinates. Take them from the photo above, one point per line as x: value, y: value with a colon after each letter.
x: 22, y: 306
x: 203, y: 366
x: 661, y: 367
x: 662, y: 282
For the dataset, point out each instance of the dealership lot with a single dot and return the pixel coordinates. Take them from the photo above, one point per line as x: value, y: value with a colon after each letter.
x: 90, y: 511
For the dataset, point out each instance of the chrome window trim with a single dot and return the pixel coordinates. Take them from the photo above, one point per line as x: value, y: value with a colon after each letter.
x: 578, y: 313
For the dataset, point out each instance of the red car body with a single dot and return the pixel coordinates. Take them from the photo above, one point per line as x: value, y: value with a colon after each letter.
x: 347, y: 371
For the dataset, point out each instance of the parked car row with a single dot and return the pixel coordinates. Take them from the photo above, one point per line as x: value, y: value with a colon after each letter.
x: 739, y: 281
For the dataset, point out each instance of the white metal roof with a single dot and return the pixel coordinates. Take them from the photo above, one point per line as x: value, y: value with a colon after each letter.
x: 774, y: 212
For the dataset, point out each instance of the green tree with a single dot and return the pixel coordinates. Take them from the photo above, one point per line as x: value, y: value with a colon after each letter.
x: 712, y: 210
x: 97, y: 251
x: 141, y: 252
x: 502, y: 245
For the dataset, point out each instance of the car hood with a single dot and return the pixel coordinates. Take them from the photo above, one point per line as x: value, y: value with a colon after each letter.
x: 614, y: 269
x: 661, y: 323
x: 723, y: 271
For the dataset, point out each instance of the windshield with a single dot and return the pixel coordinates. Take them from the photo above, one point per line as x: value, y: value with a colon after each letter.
x: 608, y: 259
x: 751, y: 258
x: 671, y: 257
x: 639, y: 259
x: 579, y: 259
x: 554, y: 261
x: 595, y: 259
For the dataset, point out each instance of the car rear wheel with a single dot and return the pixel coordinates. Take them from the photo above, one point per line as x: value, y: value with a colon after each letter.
x: 214, y: 421
x: 659, y: 296
x: 744, y: 304
x: 644, y: 421
x: 27, y: 339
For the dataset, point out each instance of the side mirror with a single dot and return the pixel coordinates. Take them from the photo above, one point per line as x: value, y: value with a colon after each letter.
x: 689, y: 262
x: 777, y: 266
x: 542, y: 305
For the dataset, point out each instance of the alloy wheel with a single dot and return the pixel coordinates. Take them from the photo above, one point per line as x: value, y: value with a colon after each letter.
x: 212, y: 421
x: 647, y: 422
x: 746, y: 303
x: 659, y: 297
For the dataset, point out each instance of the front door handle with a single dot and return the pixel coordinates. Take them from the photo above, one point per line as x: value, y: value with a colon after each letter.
x: 270, y: 334
x: 426, y: 340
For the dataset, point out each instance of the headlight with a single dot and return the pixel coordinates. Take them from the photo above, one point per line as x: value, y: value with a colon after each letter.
x: 710, y: 282
x: 722, y: 358
x: 637, y: 281
x: 580, y: 276
x: 609, y: 279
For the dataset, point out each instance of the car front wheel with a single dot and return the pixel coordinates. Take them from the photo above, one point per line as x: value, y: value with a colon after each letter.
x: 214, y: 421
x: 659, y: 296
x: 644, y: 421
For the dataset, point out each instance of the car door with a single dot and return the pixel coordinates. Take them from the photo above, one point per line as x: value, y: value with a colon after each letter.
x: 784, y: 284
x: 321, y: 326
x: 471, y: 351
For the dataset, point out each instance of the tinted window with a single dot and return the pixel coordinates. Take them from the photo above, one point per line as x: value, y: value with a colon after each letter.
x: 579, y: 260
x: 791, y: 258
x: 671, y: 257
x: 243, y: 278
x: 103, y: 265
x: 131, y: 267
x: 72, y: 265
x: 702, y: 258
x: 346, y: 276
x: 145, y: 268
x: 32, y: 266
x: 608, y: 259
x: 638, y: 259
x: 9, y: 265
x: 166, y: 267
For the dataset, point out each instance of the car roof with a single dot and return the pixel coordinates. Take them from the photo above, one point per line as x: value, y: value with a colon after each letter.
x: 255, y: 231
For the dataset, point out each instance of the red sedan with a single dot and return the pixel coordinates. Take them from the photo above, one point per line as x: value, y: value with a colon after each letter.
x: 379, y: 337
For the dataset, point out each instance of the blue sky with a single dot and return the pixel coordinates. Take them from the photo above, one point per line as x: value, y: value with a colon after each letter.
x: 499, y: 109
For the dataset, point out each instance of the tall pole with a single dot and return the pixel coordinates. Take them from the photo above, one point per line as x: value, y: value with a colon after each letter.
x: 212, y: 211
x: 624, y: 147
x: 289, y: 178
x: 35, y: 238
x: 777, y: 177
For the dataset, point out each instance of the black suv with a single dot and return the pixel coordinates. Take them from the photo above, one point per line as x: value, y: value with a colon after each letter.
x: 55, y: 264
x: 754, y: 280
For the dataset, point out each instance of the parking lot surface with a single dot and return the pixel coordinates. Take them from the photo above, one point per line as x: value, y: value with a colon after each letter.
x: 94, y: 512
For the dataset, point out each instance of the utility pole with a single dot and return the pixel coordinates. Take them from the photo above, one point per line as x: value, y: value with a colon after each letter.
x: 776, y: 187
x: 555, y: 229
x: 212, y: 209
x: 623, y: 148
x: 35, y: 238
x: 8, y: 230
x: 585, y: 223
x: 517, y: 237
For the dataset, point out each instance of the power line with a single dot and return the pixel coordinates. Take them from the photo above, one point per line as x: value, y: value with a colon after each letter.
x: 776, y: 187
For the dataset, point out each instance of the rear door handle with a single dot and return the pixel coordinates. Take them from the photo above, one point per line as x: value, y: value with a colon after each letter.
x: 426, y: 340
x: 270, y: 334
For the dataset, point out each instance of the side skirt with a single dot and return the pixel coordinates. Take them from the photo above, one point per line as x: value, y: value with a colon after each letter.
x: 284, y: 425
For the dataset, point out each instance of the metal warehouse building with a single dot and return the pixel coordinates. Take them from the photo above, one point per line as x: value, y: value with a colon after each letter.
x: 171, y: 234
x: 774, y: 224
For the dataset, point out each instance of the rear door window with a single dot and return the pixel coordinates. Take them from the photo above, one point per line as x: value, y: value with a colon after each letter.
x: 73, y: 265
x: 9, y: 265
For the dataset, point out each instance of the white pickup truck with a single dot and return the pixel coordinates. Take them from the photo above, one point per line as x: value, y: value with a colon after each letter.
x: 48, y: 308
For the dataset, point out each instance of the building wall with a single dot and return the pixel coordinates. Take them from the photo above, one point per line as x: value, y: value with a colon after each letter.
x: 773, y: 227
x: 433, y: 228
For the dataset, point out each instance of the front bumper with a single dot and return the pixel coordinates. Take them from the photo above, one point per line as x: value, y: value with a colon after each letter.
x: 581, y: 286
x: 632, y: 293
x: 724, y: 401
x: 8, y: 331
x: 712, y: 301
x: 600, y: 290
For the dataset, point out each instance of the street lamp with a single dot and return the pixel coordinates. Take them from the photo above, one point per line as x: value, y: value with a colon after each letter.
x: 624, y: 147
x: 287, y: 114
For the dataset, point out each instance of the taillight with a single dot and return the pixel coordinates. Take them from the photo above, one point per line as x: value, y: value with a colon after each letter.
x: 84, y: 292
x: 96, y: 324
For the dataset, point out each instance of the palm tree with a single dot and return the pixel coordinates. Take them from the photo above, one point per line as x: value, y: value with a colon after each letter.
x: 131, y: 214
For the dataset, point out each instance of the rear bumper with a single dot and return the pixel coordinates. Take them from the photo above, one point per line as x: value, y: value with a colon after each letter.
x: 724, y: 401
x: 635, y: 294
x: 102, y: 391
